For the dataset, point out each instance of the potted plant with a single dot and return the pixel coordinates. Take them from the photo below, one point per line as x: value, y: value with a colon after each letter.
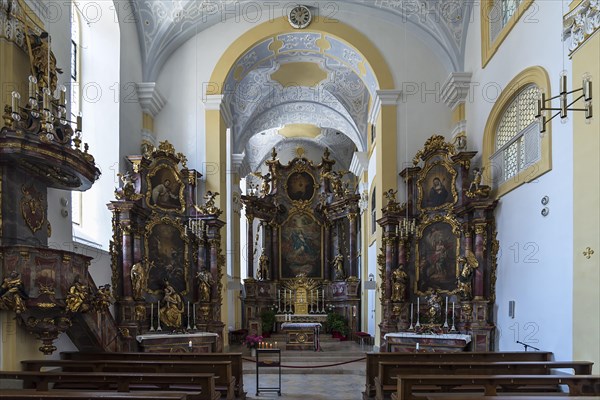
x: 338, y: 325
x: 267, y: 318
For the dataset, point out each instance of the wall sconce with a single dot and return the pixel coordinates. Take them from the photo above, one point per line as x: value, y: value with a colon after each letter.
x: 586, y: 88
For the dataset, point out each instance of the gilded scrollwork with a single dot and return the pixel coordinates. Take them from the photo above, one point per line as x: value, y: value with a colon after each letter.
x: 209, y: 207
x: 433, y: 144
x: 103, y: 298
x: 79, y: 297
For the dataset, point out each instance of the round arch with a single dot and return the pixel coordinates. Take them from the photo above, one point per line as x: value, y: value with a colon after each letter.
x: 281, y: 25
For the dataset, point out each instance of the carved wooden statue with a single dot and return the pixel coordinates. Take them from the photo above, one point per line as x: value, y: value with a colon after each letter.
x: 465, y: 280
x: 12, y: 293
x: 171, y: 311
x: 399, y: 283
x: 78, y: 299
x: 139, y: 280
x: 205, y: 281
x: 338, y: 261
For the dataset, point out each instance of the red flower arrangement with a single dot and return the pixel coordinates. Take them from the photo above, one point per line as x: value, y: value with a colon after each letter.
x: 252, y: 341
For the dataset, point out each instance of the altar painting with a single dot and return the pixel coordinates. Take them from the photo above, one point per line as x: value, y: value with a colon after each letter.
x: 166, y: 250
x: 301, y: 244
x: 437, y: 265
x: 165, y: 189
x: 437, y: 187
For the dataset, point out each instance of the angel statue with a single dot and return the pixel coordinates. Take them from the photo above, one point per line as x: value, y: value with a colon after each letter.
x: 390, y: 195
x: 465, y: 279
x: 209, y: 206
x: 12, y: 293
x: 265, y: 188
x: 78, y: 298
x: 476, y: 189
x: 335, y: 178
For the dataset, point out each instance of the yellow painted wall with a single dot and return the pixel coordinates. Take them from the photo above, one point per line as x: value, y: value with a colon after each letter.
x: 17, y: 344
x: 586, y: 212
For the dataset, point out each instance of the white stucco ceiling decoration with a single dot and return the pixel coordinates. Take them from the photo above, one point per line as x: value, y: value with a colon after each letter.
x: 164, y: 25
x: 341, y: 101
x: 258, y: 148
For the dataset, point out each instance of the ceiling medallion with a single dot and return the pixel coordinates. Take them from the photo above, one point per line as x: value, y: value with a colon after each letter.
x: 300, y: 17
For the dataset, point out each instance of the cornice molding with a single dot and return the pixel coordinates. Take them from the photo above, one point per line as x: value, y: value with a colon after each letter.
x: 359, y: 163
x: 151, y: 100
x: 456, y: 88
x: 581, y: 23
x: 383, y: 98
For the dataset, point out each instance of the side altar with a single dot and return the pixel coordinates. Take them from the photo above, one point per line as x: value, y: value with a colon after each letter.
x: 166, y: 258
x: 438, y: 260
x: 308, y: 241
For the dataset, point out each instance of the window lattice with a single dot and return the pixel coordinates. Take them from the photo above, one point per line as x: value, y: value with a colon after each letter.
x: 518, y: 144
x: 509, y: 7
x: 500, y: 14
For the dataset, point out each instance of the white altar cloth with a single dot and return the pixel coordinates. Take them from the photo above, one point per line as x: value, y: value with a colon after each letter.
x: 449, y: 336
x: 141, y: 338
x: 300, y: 325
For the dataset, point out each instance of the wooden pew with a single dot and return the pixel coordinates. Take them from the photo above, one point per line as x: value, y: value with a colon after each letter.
x: 237, y: 366
x: 224, y: 380
x: 385, y: 381
x: 463, y: 397
x: 122, y: 381
x: 24, y: 394
x: 373, y: 360
x: 407, y: 384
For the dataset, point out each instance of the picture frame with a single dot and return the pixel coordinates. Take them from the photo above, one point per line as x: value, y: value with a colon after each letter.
x: 437, y: 187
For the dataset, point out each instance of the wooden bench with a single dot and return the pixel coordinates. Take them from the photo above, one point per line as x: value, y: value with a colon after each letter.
x: 373, y: 359
x: 237, y: 366
x: 554, y: 397
x: 385, y: 381
x: 121, y: 381
x: 20, y: 394
x: 224, y: 380
x: 407, y: 384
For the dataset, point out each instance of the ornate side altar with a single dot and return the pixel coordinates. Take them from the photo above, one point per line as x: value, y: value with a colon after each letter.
x: 438, y: 260
x: 309, y: 261
x: 166, y: 258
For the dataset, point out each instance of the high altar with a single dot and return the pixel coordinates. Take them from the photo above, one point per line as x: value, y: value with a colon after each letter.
x: 438, y: 259
x: 309, y: 241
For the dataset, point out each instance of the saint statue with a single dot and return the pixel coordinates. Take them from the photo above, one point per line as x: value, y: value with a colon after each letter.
x: 263, y: 267
x: 465, y: 279
x: 399, y: 283
x: 172, y: 309
x: 139, y: 280
x: 12, y: 293
x: 338, y: 261
x: 205, y: 281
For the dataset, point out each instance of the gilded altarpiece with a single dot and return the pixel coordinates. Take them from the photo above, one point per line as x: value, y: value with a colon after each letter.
x: 309, y: 241
x: 166, y: 258
x: 438, y: 259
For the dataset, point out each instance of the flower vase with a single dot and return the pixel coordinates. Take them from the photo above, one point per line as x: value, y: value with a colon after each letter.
x: 253, y: 352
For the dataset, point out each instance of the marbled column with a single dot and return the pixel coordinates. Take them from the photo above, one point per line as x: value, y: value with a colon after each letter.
x: 250, y: 247
x: 479, y: 245
x: 402, y: 256
x: 267, y: 245
x: 275, y: 260
x: 127, y: 260
x: 353, y: 245
x: 327, y: 251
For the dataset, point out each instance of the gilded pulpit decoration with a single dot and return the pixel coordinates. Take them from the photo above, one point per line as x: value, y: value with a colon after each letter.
x: 33, y: 207
x: 103, y: 298
x: 79, y: 297
x: 12, y: 293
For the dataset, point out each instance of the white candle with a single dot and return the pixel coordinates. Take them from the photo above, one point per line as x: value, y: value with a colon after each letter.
x: 452, y: 313
x: 194, y: 313
x: 418, y: 306
x: 278, y: 294
x: 151, y: 313
x: 446, y: 305
x: 411, y: 312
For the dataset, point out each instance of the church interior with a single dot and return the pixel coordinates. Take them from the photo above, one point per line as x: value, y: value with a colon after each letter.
x: 189, y: 185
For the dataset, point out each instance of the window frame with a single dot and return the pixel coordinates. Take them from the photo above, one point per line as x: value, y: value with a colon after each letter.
x: 489, y: 48
x: 533, y: 75
x: 76, y: 205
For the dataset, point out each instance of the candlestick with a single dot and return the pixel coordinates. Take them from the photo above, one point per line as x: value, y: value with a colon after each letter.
x: 151, y: 317
x: 15, y: 102
x: 62, y: 93
x: 418, y: 324
x: 453, y: 327
x: 446, y: 314
x: 188, y: 315
x: 195, y: 316
x: 158, y: 316
x: 411, y: 327
x: 78, y: 128
x: 32, y: 86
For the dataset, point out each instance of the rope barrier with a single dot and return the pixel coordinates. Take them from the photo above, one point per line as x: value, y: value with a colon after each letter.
x: 313, y: 366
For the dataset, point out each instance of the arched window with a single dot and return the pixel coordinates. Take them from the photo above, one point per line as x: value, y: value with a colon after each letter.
x: 513, y: 148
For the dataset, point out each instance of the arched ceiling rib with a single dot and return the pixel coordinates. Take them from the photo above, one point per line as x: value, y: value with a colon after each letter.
x: 164, y: 25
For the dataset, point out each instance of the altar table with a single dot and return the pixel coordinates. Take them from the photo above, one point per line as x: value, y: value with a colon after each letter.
x: 302, y: 335
x: 199, y: 342
x: 407, y: 342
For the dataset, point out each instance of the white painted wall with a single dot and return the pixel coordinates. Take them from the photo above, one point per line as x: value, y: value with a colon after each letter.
x: 535, y: 261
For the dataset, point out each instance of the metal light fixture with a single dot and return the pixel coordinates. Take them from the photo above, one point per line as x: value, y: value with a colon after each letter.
x: 586, y: 88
